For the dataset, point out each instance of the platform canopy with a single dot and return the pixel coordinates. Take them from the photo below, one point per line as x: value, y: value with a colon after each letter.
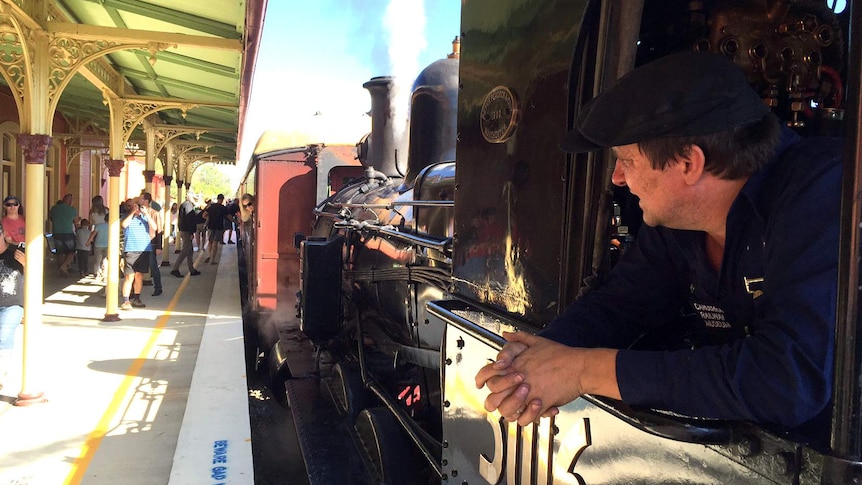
x: 200, y: 52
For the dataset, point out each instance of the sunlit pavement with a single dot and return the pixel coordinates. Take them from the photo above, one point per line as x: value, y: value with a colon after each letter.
x: 117, y: 392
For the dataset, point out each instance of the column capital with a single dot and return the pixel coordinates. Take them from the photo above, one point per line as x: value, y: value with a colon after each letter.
x: 168, y: 179
x: 148, y: 175
x: 180, y: 183
x: 35, y: 147
x: 114, y: 167
x: 188, y: 184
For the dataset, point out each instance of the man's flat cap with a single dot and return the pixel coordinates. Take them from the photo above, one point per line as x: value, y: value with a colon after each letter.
x: 682, y: 94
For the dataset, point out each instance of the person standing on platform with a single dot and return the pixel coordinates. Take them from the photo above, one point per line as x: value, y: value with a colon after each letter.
x: 11, y: 301
x: 201, y: 227
x: 99, y: 237
x: 215, y: 215
x: 156, y: 213
x: 172, y: 236
x: 62, y: 217
x: 230, y: 219
x: 139, y: 229
x: 99, y: 240
x: 98, y: 211
x: 187, y: 225
x: 13, y: 220
x: 83, y: 245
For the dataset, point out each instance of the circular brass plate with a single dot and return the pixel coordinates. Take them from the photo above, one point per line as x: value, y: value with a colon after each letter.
x: 499, y: 116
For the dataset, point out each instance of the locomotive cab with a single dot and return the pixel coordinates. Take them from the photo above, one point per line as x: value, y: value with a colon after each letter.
x: 557, y: 226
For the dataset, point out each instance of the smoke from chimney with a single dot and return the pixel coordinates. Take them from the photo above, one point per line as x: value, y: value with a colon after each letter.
x: 405, y: 22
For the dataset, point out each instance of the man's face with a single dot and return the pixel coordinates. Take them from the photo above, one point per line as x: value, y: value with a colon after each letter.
x: 659, y: 191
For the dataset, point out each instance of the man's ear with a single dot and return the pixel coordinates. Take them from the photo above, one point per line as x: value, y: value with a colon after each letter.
x: 692, y: 164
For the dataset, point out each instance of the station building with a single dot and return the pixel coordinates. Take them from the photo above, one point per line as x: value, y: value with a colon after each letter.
x: 108, y: 98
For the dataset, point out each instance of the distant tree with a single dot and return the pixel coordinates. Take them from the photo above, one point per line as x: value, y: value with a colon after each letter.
x: 210, y: 181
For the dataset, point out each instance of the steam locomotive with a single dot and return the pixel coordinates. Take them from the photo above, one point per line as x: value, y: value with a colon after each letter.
x: 408, y: 275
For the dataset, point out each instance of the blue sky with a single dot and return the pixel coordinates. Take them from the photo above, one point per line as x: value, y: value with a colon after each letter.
x: 315, y: 55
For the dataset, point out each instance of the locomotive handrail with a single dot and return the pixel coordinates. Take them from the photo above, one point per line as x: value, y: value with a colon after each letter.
x: 425, y: 203
x: 440, y: 245
x: 390, y: 205
x: 329, y: 215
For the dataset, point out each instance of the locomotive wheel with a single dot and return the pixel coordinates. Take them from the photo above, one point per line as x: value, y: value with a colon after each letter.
x: 393, y: 457
x: 349, y: 391
x: 279, y: 371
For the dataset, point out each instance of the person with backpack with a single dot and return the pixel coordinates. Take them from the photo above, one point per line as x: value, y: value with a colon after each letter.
x: 187, y: 220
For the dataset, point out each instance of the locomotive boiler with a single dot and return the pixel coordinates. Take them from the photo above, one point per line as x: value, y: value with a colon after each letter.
x: 410, y: 274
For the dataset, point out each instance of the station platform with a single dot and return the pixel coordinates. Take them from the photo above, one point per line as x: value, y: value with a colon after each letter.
x: 159, y: 397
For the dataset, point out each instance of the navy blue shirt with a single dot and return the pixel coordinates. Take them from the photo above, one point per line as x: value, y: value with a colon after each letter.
x: 756, y: 338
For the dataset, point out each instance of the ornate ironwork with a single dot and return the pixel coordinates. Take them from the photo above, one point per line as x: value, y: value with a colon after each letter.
x: 35, y: 147
x: 75, y: 151
x: 134, y: 112
x: 114, y: 167
x: 12, y: 59
x: 67, y: 55
x: 165, y: 134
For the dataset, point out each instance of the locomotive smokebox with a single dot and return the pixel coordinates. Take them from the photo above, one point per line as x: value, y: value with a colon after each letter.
x: 320, y: 272
x: 388, y: 144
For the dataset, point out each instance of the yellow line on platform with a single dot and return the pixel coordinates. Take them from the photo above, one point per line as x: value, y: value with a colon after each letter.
x: 94, y: 440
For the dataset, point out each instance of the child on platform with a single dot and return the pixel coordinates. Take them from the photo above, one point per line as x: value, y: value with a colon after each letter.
x: 83, y: 246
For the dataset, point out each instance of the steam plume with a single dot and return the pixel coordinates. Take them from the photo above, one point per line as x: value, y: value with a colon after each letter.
x: 405, y: 22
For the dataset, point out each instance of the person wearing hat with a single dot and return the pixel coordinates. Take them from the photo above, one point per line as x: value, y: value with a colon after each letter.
x: 738, y: 254
x: 13, y: 220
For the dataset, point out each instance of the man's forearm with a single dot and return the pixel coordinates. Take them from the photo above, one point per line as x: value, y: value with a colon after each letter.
x: 599, y: 375
x: 125, y: 222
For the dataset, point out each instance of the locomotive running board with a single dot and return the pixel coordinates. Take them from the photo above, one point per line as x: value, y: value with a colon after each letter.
x: 326, y: 442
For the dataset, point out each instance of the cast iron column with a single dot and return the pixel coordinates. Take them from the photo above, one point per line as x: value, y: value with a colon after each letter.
x: 34, y: 147
x: 112, y: 293
x: 166, y: 231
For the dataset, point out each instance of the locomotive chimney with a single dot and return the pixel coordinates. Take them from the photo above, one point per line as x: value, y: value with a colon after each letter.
x: 387, y: 148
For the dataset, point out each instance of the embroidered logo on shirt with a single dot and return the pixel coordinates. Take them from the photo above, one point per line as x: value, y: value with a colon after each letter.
x: 712, y: 316
x: 754, y: 286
